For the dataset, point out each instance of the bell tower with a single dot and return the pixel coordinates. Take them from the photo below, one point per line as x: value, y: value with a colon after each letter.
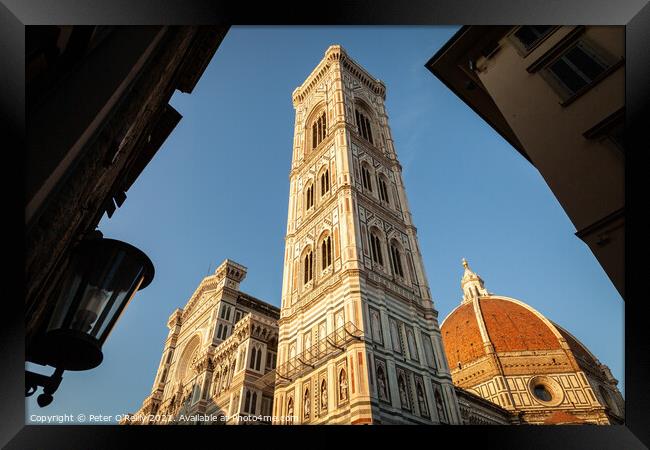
x: 359, y: 340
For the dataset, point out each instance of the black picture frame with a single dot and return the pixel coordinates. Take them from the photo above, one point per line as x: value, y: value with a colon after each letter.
x: 634, y: 14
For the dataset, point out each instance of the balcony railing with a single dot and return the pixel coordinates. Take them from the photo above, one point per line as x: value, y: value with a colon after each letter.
x: 333, y: 344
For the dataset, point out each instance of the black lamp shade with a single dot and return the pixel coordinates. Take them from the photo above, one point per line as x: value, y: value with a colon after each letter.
x: 103, y: 277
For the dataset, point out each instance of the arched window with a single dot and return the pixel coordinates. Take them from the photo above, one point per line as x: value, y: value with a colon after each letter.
x: 253, y: 403
x: 363, y: 125
x: 247, y: 401
x: 383, y: 189
x: 365, y: 177
x: 375, y: 249
x: 396, y: 259
x: 309, y: 197
x: 318, y: 130
x: 325, y: 182
x: 308, y: 267
x: 326, y: 252
x: 253, y: 355
x: 258, y: 360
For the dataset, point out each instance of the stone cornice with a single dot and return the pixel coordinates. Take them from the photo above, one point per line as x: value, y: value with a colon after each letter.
x: 334, y: 54
x: 376, y: 86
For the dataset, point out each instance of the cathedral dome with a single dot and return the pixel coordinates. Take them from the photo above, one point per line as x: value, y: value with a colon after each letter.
x: 509, y: 326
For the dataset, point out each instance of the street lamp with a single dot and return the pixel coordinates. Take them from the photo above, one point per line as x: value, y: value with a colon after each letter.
x: 103, y: 277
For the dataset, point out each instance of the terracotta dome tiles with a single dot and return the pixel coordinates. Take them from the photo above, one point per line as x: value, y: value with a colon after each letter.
x: 511, y: 327
x: 461, y: 336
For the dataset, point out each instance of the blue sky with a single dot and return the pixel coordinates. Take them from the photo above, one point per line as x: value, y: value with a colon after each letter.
x: 218, y: 188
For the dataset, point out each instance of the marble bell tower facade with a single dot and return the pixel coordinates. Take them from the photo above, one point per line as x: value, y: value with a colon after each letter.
x: 359, y: 340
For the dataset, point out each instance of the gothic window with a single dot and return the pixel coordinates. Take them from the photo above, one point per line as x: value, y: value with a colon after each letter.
x: 222, y: 331
x: 366, y: 180
x: 169, y: 356
x: 292, y: 350
x: 309, y: 200
x: 422, y: 401
x: 163, y: 376
x: 253, y: 403
x: 403, y: 391
x: 238, y: 315
x: 318, y: 130
x: 253, y: 355
x: 442, y: 415
x: 247, y: 401
x: 396, y: 259
x: 258, y: 359
x: 375, y: 249
x: 306, y: 405
x: 225, y: 312
x: 325, y: 182
x: 363, y: 125
x: 326, y: 252
x: 308, y: 267
x: 383, y: 189
x: 394, y: 333
x: 271, y: 358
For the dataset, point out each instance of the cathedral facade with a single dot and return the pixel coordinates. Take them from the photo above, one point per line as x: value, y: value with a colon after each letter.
x: 219, y: 348
x: 359, y: 341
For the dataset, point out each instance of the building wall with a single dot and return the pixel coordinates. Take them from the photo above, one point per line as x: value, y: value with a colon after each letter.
x: 97, y: 113
x: 355, y: 293
x: 585, y: 174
